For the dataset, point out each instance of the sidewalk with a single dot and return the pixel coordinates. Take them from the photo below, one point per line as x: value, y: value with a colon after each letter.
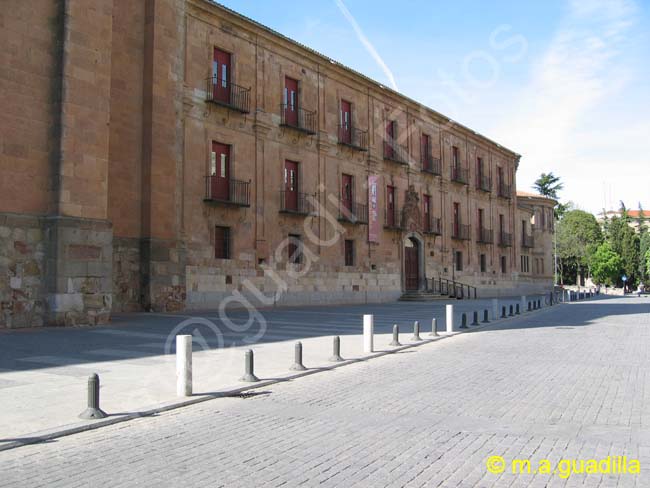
x: 43, y: 373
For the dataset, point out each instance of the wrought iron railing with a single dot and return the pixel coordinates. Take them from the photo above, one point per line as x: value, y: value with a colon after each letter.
x: 431, y: 165
x: 228, y: 94
x: 433, y: 226
x: 460, y: 175
x: 484, y: 183
x: 395, y: 152
x: 527, y: 241
x: 504, y: 191
x: 232, y: 192
x: 297, y: 203
x: 505, y: 239
x: 451, y: 288
x: 298, y: 118
x: 356, y: 213
x: 460, y: 232
x: 485, y: 236
x: 353, y: 137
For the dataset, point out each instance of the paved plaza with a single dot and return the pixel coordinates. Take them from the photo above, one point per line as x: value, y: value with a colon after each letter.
x: 569, y: 382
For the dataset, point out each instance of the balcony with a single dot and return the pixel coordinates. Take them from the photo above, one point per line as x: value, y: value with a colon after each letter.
x: 431, y: 165
x: 297, y: 203
x: 392, y: 219
x: 227, y: 191
x: 298, y: 119
x: 484, y: 183
x: 485, y: 236
x: 353, y: 138
x: 460, y: 232
x: 460, y: 175
x: 505, y: 239
x: 527, y: 241
x: 228, y: 95
x: 433, y: 226
x: 355, y: 213
x: 395, y: 152
x: 504, y: 191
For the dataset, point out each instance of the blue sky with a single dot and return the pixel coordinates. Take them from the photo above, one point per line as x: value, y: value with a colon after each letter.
x: 565, y: 83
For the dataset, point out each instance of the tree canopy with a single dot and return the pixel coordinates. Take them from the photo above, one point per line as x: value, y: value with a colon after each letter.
x: 548, y: 185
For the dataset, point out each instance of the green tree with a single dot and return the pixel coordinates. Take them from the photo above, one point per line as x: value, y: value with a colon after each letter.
x: 606, y: 265
x: 630, y: 253
x: 578, y: 237
x: 548, y: 185
x: 644, y: 247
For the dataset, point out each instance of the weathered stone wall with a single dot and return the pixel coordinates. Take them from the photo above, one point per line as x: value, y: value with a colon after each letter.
x: 127, y: 291
x: 22, y: 253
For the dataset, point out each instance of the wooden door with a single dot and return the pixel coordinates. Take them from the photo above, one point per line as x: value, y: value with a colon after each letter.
x: 346, y: 191
x: 220, y: 171
x: 390, y: 206
x: 411, y: 266
x: 221, y: 76
x: 290, y: 101
x: 291, y: 185
x: 346, y: 122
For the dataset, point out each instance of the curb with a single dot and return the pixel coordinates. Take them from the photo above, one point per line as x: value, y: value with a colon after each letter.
x: 230, y: 391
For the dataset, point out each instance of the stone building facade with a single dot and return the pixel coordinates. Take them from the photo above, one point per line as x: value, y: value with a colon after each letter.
x: 175, y: 155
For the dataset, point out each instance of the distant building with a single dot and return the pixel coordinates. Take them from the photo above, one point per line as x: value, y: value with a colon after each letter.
x: 633, y: 216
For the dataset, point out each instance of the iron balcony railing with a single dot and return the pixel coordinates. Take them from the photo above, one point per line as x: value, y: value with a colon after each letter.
x: 353, y: 137
x: 232, y: 192
x: 356, y: 213
x: 431, y: 165
x: 527, y: 241
x: 392, y: 218
x: 228, y: 95
x: 504, y: 191
x: 298, y: 118
x: 484, y: 183
x: 460, y: 175
x: 433, y: 226
x: 297, y: 203
x: 450, y: 288
x: 395, y: 152
x: 505, y: 239
x: 460, y: 232
x: 484, y: 236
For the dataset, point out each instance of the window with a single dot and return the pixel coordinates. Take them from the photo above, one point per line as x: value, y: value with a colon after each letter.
x: 426, y: 212
x: 504, y: 264
x: 390, y: 206
x: 221, y: 75
x: 347, y: 183
x: 425, y: 152
x: 222, y: 242
x: 295, y: 249
x: 456, y: 227
x: 479, y: 169
x: 458, y: 260
x: 525, y: 264
x: 455, y: 157
x: 541, y: 266
x: 349, y: 252
x: 483, y: 261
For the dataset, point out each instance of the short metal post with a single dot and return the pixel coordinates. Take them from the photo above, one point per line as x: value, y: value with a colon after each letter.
x: 297, y: 358
x: 336, y: 350
x: 539, y: 303
x: 368, y: 333
x: 530, y: 306
x: 93, y: 412
x: 485, y: 316
x: 511, y: 311
x: 249, y: 368
x: 463, y: 321
x: 517, y: 311
x: 503, y: 312
x: 183, y: 365
x: 475, y: 321
x: 395, y: 341
x: 416, y: 331
x: 434, y: 327
x: 450, y: 318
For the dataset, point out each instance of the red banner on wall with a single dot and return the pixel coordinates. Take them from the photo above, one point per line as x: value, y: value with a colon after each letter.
x: 373, y: 209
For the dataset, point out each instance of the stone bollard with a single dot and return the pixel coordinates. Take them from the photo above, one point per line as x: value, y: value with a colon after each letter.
x: 523, y: 303
x: 463, y: 321
x: 503, y: 312
x: 416, y: 331
x: 336, y: 350
x: 511, y: 311
x: 368, y: 333
x: 93, y: 412
x: 485, y: 316
x: 434, y: 327
x: 249, y: 368
x: 395, y: 342
x: 183, y: 365
x: 517, y: 311
x: 450, y: 318
x: 475, y: 319
x: 495, y: 309
x: 297, y: 358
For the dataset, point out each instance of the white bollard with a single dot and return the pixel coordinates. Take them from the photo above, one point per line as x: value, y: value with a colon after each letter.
x: 450, y: 319
x: 495, y: 308
x: 183, y: 365
x: 368, y: 333
x: 523, y: 304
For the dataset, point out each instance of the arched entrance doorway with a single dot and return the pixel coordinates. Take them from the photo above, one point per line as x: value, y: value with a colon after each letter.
x: 411, y: 264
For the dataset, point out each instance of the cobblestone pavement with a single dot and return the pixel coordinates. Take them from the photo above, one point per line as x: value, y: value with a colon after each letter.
x: 571, y: 382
